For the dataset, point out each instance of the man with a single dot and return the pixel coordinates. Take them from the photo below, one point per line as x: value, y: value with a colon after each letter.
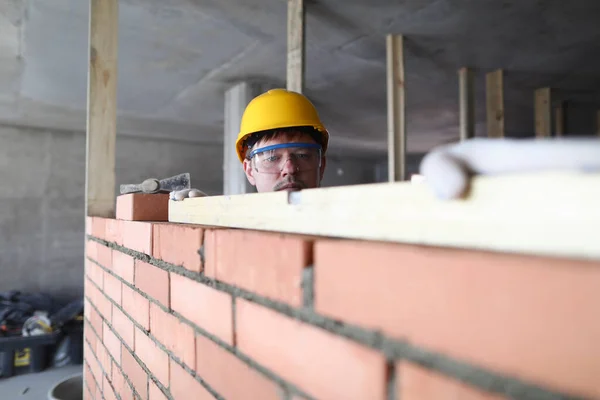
x: 281, y: 144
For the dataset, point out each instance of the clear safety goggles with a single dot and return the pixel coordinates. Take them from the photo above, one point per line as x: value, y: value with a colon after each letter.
x: 272, y: 159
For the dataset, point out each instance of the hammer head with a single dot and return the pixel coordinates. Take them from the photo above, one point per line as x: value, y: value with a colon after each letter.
x: 151, y: 185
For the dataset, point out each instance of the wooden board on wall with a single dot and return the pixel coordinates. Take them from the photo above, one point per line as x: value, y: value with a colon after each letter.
x: 554, y: 214
x: 494, y: 91
x: 102, y: 108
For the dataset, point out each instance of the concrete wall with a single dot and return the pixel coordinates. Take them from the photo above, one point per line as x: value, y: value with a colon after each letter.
x: 42, y: 199
x: 43, y: 191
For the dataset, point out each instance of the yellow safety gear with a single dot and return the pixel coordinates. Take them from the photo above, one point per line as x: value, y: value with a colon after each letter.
x: 278, y: 108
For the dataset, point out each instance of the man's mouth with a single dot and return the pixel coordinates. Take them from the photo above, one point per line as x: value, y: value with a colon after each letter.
x: 290, y: 186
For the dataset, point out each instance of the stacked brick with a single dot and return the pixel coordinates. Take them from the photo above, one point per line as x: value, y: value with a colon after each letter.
x: 189, y: 312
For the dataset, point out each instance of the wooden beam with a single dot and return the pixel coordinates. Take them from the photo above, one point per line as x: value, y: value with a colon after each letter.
x: 296, y: 35
x: 101, y: 109
x: 554, y: 214
x: 467, y: 103
x: 396, y: 108
x: 543, y: 112
x: 495, y: 103
x: 559, y: 119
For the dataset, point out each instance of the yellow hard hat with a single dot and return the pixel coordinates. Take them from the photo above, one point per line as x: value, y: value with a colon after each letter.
x: 278, y: 108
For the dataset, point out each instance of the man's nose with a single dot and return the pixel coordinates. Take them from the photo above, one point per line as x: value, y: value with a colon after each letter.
x: 288, y: 167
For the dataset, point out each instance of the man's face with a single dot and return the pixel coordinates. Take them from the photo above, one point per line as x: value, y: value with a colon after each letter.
x: 290, y: 174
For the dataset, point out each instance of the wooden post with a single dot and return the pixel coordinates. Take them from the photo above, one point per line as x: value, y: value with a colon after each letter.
x: 296, y: 34
x: 101, y: 109
x: 467, y: 103
x: 559, y: 115
x: 396, y: 109
x: 495, y: 103
x: 543, y: 112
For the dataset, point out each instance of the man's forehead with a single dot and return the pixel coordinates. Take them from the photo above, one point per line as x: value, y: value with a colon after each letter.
x: 287, y: 136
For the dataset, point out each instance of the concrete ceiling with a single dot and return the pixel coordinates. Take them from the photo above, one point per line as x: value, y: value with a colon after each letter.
x: 177, y: 57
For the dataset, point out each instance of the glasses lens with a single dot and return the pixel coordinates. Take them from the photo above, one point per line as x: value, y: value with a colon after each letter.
x: 273, y: 160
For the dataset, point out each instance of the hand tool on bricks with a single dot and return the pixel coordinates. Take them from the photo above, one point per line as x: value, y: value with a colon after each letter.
x: 152, y: 185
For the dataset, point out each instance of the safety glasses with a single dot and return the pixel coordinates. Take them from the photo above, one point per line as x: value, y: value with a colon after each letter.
x: 272, y: 159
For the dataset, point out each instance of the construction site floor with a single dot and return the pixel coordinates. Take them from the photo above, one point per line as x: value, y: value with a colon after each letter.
x: 35, y: 386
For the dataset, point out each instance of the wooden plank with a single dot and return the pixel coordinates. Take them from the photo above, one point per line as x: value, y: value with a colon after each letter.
x: 396, y: 108
x: 559, y: 123
x: 296, y: 49
x: 553, y: 214
x: 467, y: 103
x: 495, y: 103
x: 543, y: 112
x: 101, y: 108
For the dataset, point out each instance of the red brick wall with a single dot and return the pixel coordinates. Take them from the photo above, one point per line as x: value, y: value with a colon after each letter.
x: 186, y: 312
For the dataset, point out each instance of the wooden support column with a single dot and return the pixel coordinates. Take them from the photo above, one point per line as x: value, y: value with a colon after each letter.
x: 296, y: 35
x: 467, y: 103
x: 396, y: 109
x: 495, y: 103
x: 543, y: 113
x: 101, y: 109
x: 559, y: 119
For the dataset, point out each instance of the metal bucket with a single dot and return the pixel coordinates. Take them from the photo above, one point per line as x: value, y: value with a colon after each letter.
x: 70, y: 388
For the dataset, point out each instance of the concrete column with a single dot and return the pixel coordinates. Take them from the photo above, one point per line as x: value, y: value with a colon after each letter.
x: 236, y: 100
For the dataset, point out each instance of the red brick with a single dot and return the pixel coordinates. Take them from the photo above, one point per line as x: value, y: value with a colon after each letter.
x: 90, y: 336
x: 88, y: 225
x: 112, y: 343
x: 91, y: 250
x: 120, y: 385
x: 178, y: 337
x: 204, y: 306
x: 107, y: 390
x: 103, y: 357
x: 156, y: 360
x: 546, y: 308
x: 275, y: 272
x: 113, y: 231
x: 123, y: 266
x: 143, y: 207
x: 153, y: 281
x: 414, y: 382
x: 96, y: 321
x: 135, y: 373
x: 178, y: 244
x: 98, y: 299
x: 183, y: 384
x: 322, y: 364
x: 89, y: 378
x: 94, y: 364
x: 97, y: 227
x: 137, y: 236
x: 219, y: 368
x: 112, y: 288
x: 154, y: 392
x: 123, y: 326
x: 137, y: 306
x: 104, y: 256
x: 95, y: 273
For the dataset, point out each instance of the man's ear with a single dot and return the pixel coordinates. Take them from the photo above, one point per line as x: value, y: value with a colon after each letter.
x: 249, y: 172
x: 323, y: 164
